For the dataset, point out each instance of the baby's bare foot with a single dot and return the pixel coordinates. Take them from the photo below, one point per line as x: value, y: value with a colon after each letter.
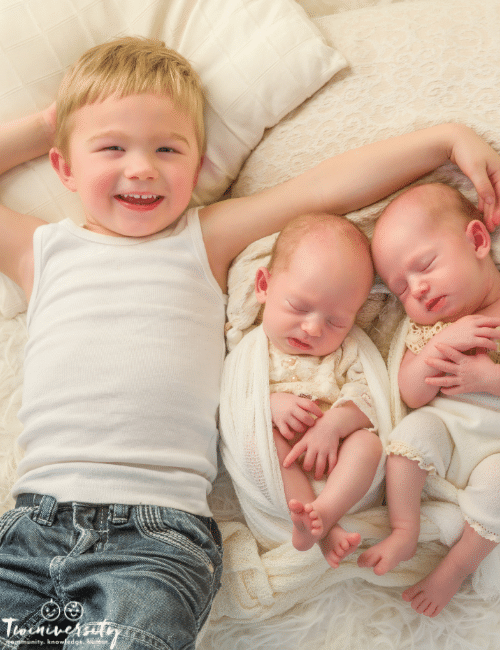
x: 307, y: 525
x: 387, y: 554
x: 338, y: 544
x: 434, y: 592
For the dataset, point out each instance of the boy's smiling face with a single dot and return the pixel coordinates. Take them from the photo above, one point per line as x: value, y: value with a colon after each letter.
x: 134, y: 162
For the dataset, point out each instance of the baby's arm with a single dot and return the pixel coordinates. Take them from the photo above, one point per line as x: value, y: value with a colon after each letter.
x: 22, y: 140
x: 292, y: 414
x: 417, y: 372
x: 321, y: 441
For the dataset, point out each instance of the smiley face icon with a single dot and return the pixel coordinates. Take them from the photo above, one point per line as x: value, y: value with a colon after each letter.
x: 73, y: 611
x: 50, y: 611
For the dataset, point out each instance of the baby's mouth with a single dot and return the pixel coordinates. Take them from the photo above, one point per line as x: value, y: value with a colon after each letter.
x: 435, y: 303
x: 139, y: 199
x: 297, y: 343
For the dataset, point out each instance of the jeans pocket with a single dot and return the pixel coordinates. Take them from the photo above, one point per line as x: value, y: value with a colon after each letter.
x: 9, y: 519
x: 182, y: 531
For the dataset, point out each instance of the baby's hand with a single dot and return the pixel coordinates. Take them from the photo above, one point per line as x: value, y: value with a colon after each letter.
x: 469, y: 332
x: 291, y: 414
x: 320, y: 444
x: 465, y: 373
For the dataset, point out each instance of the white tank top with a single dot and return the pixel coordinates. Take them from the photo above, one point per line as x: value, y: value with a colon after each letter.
x: 122, y: 368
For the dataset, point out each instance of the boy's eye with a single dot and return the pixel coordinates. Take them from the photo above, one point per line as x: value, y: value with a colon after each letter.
x: 166, y: 150
x: 113, y: 147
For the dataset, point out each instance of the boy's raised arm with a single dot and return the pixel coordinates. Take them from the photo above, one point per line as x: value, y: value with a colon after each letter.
x: 26, y: 138
x: 21, y: 140
x: 352, y: 180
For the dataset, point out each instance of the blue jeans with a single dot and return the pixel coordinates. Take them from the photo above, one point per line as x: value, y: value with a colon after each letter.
x: 105, y: 576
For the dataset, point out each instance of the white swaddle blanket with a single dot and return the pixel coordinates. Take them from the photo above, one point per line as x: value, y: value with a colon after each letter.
x: 264, y: 575
x: 247, y: 443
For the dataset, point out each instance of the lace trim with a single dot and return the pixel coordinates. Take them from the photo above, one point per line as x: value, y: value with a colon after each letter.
x: 492, y: 537
x: 419, y: 335
x: 399, y: 448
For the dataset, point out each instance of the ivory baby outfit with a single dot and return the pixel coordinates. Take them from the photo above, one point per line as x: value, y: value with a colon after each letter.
x: 457, y: 438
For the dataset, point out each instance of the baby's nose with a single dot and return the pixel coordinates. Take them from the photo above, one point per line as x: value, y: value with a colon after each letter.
x: 312, y: 326
x: 419, y: 288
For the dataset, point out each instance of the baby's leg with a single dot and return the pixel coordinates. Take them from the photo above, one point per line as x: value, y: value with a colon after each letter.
x: 479, y: 503
x: 420, y: 438
x: 435, y: 591
x: 404, y: 483
x: 350, y: 479
x: 307, y: 529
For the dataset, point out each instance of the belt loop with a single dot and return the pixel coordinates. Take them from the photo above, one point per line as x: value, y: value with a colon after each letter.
x: 46, y: 511
x: 120, y: 513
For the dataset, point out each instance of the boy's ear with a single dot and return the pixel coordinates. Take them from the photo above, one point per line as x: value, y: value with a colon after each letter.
x: 62, y: 168
x: 479, y: 236
x: 261, y: 284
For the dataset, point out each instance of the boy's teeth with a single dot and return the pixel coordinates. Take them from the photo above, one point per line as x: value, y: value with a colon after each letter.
x: 141, y: 199
x: 140, y: 196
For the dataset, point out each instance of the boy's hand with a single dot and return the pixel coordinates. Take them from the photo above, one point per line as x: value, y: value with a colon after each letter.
x: 482, y: 165
x: 291, y: 414
x: 464, y: 373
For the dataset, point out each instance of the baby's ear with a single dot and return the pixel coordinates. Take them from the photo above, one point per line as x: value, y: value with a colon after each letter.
x: 478, y: 234
x: 62, y: 168
x: 261, y: 284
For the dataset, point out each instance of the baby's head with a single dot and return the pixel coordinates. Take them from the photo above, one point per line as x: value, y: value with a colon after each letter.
x: 432, y: 250
x: 129, y: 66
x: 319, y: 276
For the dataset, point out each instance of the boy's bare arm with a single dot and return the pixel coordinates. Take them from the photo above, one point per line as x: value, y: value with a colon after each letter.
x: 348, y: 182
x: 21, y: 140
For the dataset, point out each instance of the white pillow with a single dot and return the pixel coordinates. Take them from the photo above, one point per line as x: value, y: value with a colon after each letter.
x: 411, y: 65
x: 258, y: 59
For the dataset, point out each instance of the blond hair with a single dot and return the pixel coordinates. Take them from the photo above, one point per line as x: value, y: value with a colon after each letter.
x: 129, y: 66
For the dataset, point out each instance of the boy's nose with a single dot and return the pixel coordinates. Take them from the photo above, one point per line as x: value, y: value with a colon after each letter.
x: 141, y: 167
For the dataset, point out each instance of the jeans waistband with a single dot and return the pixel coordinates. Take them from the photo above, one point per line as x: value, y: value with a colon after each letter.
x: 47, y: 508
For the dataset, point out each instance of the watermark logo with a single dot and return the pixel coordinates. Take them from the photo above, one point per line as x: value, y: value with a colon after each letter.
x: 50, y: 611
x: 100, y: 633
x: 73, y: 611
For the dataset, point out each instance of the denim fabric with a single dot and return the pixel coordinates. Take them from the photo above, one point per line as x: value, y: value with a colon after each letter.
x: 99, y: 576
